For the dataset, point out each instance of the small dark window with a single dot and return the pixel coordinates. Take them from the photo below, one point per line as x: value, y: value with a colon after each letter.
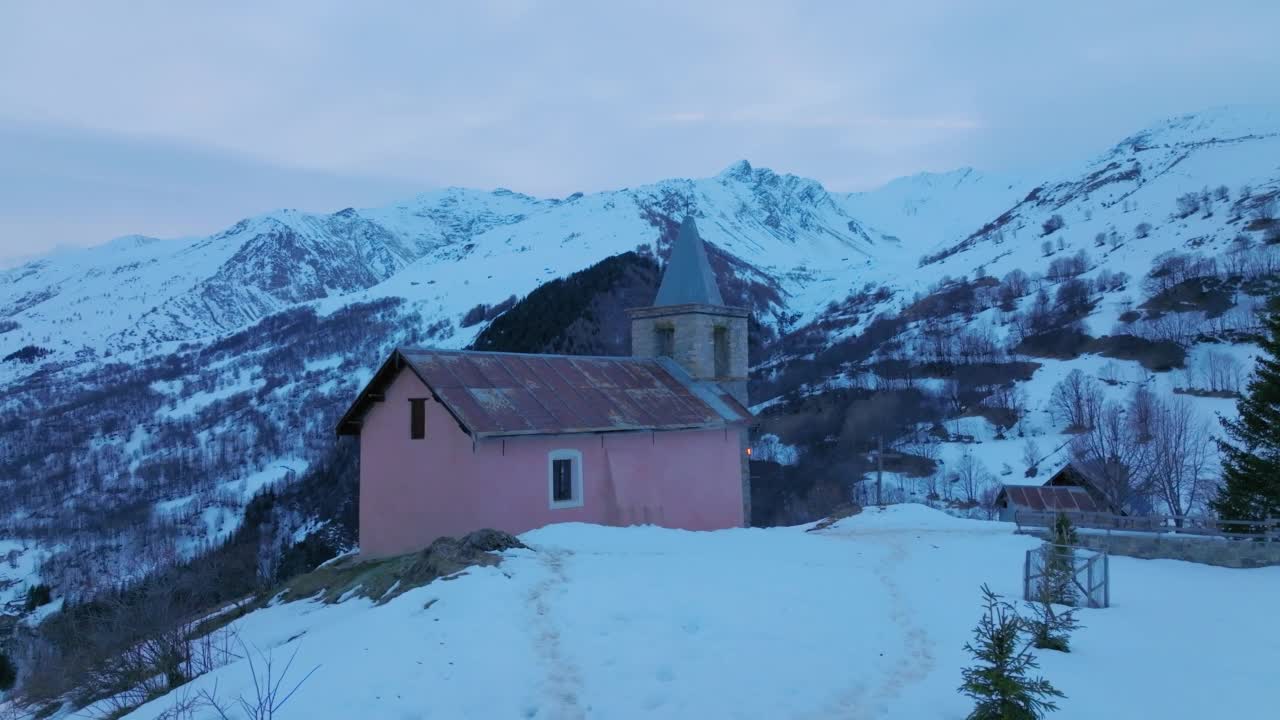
x: 417, y: 418
x: 720, y: 340
x: 562, y: 480
x: 666, y: 342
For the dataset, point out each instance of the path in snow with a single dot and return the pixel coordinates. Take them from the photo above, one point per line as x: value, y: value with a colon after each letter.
x: 864, y: 621
x: 563, y: 679
x: 916, y: 660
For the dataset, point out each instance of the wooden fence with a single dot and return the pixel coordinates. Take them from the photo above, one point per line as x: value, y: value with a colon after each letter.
x: 1266, y: 530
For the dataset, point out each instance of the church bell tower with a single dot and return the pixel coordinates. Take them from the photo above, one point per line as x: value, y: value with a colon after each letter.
x: 689, y: 321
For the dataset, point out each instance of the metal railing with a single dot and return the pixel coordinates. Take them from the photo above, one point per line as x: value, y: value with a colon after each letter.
x: 1267, y: 530
x: 1088, y: 572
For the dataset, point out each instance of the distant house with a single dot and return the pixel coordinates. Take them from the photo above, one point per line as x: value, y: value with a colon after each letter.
x: 452, y: 441
x: 1067, y: 490
x: 1040, y: 498
x: 1070, y: 476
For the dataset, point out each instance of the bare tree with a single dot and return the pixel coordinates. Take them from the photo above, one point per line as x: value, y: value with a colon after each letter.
x: 1046, y: 248
x: 1031, y: 455
x: 987, y: 497
x: 1115, y: 462
x: 1143, y: 408
x: 1075, y: 401
x: 1180, y: 452
x: 976, y: 343
x: 971, y: 475
x: 1220, y: 372
x: 1142, y: 230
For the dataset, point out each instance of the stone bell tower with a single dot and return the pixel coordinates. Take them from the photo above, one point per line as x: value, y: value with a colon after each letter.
x: 690, y: 324
x: 689, y: 321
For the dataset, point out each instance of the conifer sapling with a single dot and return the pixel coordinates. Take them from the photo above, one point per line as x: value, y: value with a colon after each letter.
x: 999, y: 682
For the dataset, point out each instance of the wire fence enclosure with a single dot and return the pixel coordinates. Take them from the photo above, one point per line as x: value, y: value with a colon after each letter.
x: 1069, y: 575
x: 1263, y: 530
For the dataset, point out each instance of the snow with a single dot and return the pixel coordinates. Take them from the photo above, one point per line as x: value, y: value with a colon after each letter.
x: 186, y: 405
x: 866, y: 619
x: 19, y: 568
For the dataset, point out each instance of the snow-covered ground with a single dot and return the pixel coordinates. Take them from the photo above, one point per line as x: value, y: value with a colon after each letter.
x: 865, y: 620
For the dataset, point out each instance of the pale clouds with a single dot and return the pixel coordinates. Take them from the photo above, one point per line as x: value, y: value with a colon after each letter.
x: 259, y: 105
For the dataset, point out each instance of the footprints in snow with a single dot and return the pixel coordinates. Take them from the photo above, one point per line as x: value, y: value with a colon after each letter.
x: 564, y: 679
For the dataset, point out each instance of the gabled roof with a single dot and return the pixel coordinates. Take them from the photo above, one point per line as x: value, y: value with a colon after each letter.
x: 688, y: 278
x: 1044, y: 498
x: 494, y: 394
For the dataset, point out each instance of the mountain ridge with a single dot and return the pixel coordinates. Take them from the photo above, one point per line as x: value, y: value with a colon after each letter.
x: 156, y: 388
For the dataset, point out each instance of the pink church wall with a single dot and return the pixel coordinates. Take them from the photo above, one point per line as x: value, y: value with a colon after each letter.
x: 414, y: 491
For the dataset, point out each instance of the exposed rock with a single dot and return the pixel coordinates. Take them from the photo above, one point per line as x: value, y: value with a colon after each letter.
x: 840, y: 513
x: 447, y: 555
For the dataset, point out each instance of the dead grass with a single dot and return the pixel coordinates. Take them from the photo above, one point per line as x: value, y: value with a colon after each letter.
x: 384, y: 579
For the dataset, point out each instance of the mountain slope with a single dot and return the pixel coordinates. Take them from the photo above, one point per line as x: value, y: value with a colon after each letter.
x: 148, y: 389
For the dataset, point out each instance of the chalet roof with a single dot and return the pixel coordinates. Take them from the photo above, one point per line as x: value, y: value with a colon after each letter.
x: 688, y: 278
x: 494, y: 394
x: 1043, y: 498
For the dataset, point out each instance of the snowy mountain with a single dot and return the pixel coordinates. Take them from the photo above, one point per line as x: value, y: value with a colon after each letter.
x: 150, y: 388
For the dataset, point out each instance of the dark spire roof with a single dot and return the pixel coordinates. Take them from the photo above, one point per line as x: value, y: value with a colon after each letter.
x: 688, y: 278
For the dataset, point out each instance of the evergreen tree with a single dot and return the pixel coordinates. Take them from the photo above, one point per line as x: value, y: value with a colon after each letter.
x: 8, y: 673
x: 1058, y: 583
x: 1050, y: 629
x: 1064, y: 533
x: 1251, y: 451
x: 999, y: 682
x: 38, y: 596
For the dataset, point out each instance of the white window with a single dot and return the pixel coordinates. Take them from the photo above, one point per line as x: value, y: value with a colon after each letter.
x: 564, y: 478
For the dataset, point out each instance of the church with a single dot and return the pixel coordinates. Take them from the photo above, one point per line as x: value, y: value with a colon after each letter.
x: 452, y: 441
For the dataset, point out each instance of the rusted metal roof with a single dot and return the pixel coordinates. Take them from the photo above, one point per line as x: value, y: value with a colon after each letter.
x: 502, y: 394
x: 1052, y: 499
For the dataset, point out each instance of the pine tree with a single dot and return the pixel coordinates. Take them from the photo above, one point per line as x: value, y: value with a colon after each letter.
x: 8, y: 673
x: 1058, y: 581
x: 1251, y: 452
x: 1064, y: 533
x: 999, y: 682
x: 1050, y: 628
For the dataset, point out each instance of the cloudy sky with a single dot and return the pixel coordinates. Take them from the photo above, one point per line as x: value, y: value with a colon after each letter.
x: 174, y: 119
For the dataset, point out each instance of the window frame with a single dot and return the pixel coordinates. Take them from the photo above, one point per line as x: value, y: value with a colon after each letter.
x: 575, y: 464
x: 417, y: 412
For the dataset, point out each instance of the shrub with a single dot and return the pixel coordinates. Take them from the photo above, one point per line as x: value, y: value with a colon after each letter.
x: 28, y: 354
x: 1154, y: 355
x: 1062, y: 343
x: 1053, y: 224
x: 1189, y: 204
x: 1142, y: 230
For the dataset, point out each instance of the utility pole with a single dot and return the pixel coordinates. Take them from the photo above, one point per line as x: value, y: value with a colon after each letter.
x: 879, y: 469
